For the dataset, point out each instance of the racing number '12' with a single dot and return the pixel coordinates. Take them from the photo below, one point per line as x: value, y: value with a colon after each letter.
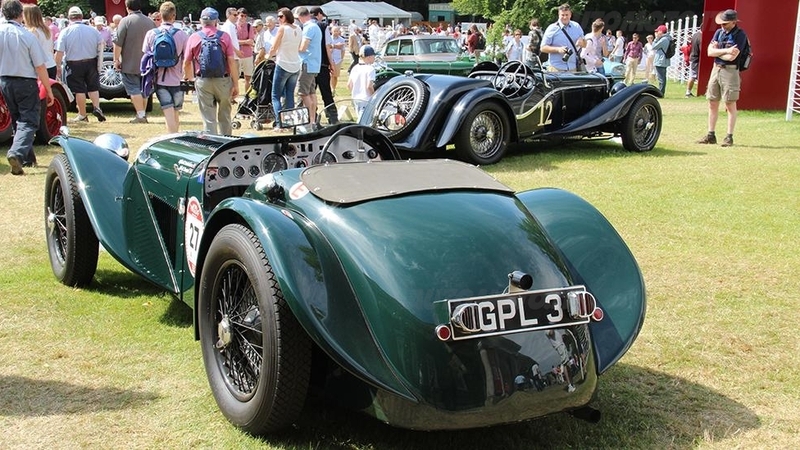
x: 546, y: 113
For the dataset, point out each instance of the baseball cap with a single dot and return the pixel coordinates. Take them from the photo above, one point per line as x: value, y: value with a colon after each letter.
x: 367, y: 51
x: 74, y: 11
x: 99, y: 20
x: 662, y: 29
x: 727, y: 16
x: 209, y: 14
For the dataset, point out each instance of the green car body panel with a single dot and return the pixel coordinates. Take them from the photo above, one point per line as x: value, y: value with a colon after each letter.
x: 367, y: 279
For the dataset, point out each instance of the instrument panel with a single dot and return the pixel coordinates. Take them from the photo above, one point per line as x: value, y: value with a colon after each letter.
x: 243, y: 164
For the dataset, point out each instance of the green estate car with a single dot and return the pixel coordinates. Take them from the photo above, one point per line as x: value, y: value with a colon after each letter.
x: 426, y: 54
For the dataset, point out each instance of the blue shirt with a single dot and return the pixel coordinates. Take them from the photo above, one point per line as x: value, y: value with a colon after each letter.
x: 312, y: 57
x: 21, y: 51
x: 660, y: 51
x: 553, y: 36
x: 79, y: 41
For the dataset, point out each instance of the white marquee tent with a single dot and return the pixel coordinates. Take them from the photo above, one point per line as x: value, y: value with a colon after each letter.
x: 361, y: 11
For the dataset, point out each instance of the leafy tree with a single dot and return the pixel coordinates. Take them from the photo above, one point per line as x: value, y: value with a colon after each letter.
x: 55, y: 8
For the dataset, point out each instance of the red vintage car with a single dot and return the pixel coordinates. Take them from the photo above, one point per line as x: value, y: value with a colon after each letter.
x: 52, y: 117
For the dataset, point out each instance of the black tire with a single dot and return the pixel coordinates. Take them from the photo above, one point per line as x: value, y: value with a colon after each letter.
x: 641, y: 127
x: 71, y: 242
x: 52, y: 118
x: 408, y: 97
x: 484, y: 136
x: 240, y: 308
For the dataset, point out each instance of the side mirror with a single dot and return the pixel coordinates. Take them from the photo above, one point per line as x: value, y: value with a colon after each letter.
x: 290, y: 118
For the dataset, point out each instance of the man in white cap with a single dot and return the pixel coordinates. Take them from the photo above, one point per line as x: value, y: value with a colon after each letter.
x: 725, y: 81
x: 81, y: 46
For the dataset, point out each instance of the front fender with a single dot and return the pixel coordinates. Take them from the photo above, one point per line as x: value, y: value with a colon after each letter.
x: 462, y: 107
x: 599, y: 259
x: 610, y: 110
x: 313, y: 283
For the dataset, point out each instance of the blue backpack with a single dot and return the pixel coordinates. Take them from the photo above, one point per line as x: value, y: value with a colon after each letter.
x: 165, y: 52
x: 213, y: 63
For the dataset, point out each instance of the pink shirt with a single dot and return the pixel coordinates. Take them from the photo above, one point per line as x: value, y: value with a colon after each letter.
x: 244, y: 32
x: 192, y: 51
x: 168, y: 76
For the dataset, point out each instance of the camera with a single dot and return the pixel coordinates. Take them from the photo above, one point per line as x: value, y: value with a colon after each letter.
x: 566, y: 55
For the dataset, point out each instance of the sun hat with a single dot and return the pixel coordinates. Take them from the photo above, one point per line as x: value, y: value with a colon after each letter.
x: 209, y: 14
x: 99, y: 20
x: 727, y: 16
x: 74, y: 11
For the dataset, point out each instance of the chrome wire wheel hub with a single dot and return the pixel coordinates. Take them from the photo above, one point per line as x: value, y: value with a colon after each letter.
x: 485, y: 134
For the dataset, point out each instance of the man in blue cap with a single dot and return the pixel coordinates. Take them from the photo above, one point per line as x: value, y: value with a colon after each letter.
x: 214, y: 85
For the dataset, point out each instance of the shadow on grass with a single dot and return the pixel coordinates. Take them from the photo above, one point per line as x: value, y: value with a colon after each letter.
x: 641, y: 408
x: 125, y: 284
x: 23, y: 396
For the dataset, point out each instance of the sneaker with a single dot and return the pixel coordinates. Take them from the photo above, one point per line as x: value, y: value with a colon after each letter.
x: 16, y: 166
x: 570, y: 388
x: 689, y: 94
x: 99, y: 114
x: 727, y: 142
x: 138, y: 119
x: 708, y: 139
x: 79, y: 119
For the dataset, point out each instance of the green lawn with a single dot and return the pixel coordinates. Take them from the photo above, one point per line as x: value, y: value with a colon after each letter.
x: 714, y: 230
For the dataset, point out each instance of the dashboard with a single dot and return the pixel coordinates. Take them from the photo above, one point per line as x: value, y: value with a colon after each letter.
x: 243, y: 164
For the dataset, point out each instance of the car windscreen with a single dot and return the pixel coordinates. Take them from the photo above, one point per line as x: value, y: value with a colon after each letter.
x: 426, y: 46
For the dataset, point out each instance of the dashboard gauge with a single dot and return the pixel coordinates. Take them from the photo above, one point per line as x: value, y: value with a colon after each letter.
x: 326, y: 159
x: 254, y: 171
x: 291, y: 150
x: 274, y: 163
x: 238, y: 171
x: 224, y: 172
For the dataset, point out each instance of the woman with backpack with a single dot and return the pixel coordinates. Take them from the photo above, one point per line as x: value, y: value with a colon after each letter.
x: 286, y: 50
x: 660, y: 59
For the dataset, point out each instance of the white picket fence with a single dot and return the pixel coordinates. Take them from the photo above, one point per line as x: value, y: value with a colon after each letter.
x: 681, y: 32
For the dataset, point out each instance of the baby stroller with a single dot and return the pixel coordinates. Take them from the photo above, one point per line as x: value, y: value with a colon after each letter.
x: 257, y: 103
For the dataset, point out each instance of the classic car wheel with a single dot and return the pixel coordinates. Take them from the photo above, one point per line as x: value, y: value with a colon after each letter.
x: 401, y: 108
x: 71, y: 242
x: 5, y: 120
x: 53, y: 117
x: 484, y: 135
x: 642, y: 126
x: 257, y: 356
x: 110, y: 81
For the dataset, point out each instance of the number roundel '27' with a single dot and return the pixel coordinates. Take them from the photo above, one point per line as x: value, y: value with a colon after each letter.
x: 193, y: 232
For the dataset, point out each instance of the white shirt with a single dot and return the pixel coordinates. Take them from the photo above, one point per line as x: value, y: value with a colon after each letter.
x: 359, y: 79
x: 230, y: 28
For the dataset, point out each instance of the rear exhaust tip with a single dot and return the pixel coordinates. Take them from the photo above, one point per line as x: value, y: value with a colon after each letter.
x: 587, y: 413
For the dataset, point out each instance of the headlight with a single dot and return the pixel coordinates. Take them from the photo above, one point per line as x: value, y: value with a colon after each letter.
x: 113, y: 142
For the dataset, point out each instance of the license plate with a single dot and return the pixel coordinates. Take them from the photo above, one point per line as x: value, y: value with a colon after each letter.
x: 523, y: 311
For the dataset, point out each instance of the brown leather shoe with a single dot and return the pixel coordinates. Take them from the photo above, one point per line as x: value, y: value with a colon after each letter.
x: 727, y: 142
x: 708, y: 139
x: 16, y: 166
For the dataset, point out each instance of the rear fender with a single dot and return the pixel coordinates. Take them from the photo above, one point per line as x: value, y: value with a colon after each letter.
x: 462, y: 107
x: 611, y: 109
x: 599, y: 259
x: 313, y: 284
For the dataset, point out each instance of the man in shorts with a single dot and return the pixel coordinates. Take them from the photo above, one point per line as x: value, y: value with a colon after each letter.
x: 168, y: 79
x: 725, y: 82
x: 694, y: 61
x: 81, y: 46
x: 246, y: 34
x: 311, y: 54
x: 128, y: 54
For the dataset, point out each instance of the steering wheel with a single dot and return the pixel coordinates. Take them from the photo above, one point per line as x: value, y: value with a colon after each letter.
x: 379, y: 144
x: 513, y: 79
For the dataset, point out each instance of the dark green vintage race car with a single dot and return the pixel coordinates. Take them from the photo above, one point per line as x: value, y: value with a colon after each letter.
x: 423, y: 292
